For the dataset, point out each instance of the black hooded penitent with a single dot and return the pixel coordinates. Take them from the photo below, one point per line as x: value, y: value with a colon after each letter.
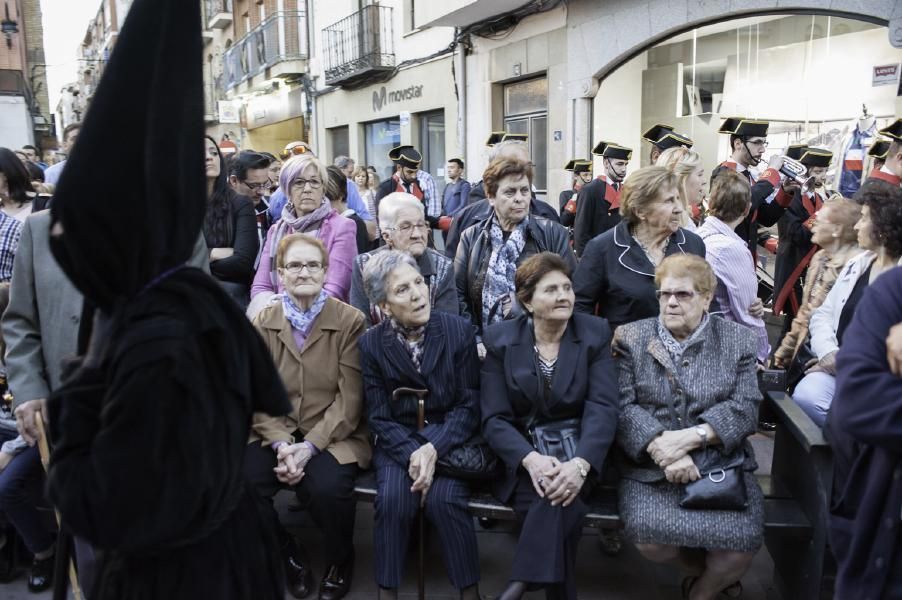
x: 150, y: 428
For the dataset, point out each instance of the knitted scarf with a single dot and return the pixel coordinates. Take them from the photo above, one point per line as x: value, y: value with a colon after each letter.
x: 499, y: 277
x: 302, y: 320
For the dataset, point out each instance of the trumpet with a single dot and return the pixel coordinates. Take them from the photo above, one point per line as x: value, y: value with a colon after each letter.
x: 796, y: 171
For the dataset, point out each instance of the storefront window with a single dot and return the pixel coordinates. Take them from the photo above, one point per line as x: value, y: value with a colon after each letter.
x: 526, y: 111
x: 382, y: 136
x: 432, y: 144
x: 811, y: 76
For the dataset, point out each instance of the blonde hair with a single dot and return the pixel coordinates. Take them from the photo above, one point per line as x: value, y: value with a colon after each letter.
x: 641, y: 189
x: 682, y: 162
x: 688, y: 265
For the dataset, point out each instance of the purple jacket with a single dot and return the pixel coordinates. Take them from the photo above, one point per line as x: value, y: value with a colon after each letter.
x: 339, y: 235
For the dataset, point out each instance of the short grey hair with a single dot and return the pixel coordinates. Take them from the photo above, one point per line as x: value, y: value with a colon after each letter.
x: 502, y: 147
x: 377, y: 270
x: 342, y: 162
x: 394, y: 202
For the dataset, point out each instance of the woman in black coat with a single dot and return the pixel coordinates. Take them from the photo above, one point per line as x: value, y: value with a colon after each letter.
x: 616, y: 276
x: 542, y: 368
x: 151, y: 423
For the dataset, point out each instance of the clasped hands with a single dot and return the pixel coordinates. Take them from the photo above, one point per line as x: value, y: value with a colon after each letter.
x: 559, y: 482
x: 421, y: 468
x: 290, y: 462
x: 670, y: 451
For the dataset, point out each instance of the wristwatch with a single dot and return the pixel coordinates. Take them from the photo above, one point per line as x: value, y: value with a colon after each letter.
x: 581, y: 467
x: 702, y: 433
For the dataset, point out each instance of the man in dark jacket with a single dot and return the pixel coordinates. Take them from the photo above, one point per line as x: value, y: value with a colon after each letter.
x: 864, y: 428
x: 582, y: 175
x: 478, y: 209
x: 598, y: 203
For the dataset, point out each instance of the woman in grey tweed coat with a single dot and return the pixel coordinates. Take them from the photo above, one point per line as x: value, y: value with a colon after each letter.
x: 708, y: 367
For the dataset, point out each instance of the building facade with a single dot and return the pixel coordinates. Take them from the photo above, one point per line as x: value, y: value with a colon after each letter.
x: 25, y: 116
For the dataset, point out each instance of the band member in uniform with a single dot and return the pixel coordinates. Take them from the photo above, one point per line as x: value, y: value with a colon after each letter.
x: 662, y: 137
x: 879, y: 150
x: 795, y: 249
x: 410, y: 178
x: 748, y: 140
x: 582, y: 174
x: 891, y: 170
x: 598, y: 203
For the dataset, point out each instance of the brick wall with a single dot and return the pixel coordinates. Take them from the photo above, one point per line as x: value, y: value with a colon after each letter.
x: 34, y: 54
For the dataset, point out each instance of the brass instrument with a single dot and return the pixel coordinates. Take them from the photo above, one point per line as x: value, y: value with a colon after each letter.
x: 796, y: 171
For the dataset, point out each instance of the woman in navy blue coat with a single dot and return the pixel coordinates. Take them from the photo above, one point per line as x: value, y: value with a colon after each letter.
x: 417, y: 348
x: 547, y: 366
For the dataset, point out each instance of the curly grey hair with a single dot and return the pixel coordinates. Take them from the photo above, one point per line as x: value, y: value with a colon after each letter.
x: 378, y: 268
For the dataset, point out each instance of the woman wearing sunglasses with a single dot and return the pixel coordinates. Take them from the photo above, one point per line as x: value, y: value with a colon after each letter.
x: 309, y: 211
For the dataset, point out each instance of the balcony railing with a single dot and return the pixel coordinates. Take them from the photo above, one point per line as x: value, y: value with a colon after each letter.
x: 218, y: 13
x: 282, y: 37
x: 358, y: 45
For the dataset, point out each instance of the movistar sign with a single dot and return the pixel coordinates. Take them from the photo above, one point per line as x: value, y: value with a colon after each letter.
x: 382, y: 97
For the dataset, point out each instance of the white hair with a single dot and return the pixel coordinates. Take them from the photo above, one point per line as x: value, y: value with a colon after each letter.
x: 394, y: 202
x: 377, y: 270
x: 501, y: 147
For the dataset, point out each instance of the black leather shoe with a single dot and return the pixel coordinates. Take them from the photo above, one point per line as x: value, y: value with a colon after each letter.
x: 298, y: 578
x: 41, y: 576
x: 337, y: 582
x: 766, y: 426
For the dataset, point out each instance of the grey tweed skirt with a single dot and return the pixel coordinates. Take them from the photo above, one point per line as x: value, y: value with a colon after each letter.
x: 652, y: 514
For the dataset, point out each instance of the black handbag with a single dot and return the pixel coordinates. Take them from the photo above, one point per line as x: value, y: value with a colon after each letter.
x: 722, y: 484
x: 556, y: 438
x: 474, y: 460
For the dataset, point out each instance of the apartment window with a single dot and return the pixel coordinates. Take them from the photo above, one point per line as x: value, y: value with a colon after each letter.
x: 432, y: 142
x: 381, y: 136
x: 338, y: 141
x: 526, y: 111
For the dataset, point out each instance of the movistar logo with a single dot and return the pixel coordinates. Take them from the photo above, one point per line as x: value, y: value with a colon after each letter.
x: 382, y: 97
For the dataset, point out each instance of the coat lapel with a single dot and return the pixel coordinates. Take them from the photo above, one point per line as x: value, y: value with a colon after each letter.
x: 397, y: 356
x: 523, y: 363
x: 659, y: 353
x: 435, y: 345
x: 566, y: 363
x: 631, y: 255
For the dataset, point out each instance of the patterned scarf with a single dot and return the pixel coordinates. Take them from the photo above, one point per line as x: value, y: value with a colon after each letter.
x: 674, y: 346
x: 302, y: 320
x: 289, y: 221
x: 499, y: 278
x: 412, y: 340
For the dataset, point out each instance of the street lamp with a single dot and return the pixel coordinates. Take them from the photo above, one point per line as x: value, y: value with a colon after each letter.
x: 8, y: 27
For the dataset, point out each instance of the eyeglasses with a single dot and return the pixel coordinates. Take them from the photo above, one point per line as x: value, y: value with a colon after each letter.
x: 257, y: 187
x: 407, y: 228
x: 758, y: 142
x: 295, y: 268
x: 293, y: 151
x: 315, y: 184
x: 680, y: 295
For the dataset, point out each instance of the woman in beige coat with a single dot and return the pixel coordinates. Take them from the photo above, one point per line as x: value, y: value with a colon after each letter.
x: 319, y: 446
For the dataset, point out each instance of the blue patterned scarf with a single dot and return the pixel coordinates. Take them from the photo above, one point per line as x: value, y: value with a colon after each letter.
x: 673, y: 345
x: 300, y: 319
x: 499, y: 277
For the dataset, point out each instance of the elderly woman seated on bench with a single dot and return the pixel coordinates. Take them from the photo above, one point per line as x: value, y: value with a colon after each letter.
x: 548, y: 370
x: 689, y: 398
x: 416, y: 347
x: 319, y: 446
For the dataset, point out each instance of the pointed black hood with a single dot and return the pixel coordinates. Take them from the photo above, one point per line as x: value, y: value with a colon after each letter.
x: 131, y: 200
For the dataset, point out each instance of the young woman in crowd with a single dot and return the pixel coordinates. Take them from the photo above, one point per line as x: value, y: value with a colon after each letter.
x: 229, y: 229
x: 319, y: 446
x: 880, y: 235
x: 617, y: 270
x: 364, y: 181
x: 303, y: 178
x: 402, y: 220
x: 416, y: 347
x: 687, y: 166
x: 548, y: 368
x: 736, y: 295
x: 16, y: 190
x: 688, y: 382
x: 488, y: 253
x: 834, y: 232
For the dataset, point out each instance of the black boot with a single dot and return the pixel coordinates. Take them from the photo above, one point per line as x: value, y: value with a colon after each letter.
x: 298, y: 578
x: 41, y: 576
x: 337, y: 582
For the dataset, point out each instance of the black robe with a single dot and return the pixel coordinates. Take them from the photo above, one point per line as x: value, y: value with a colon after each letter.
x: 597, y: 210
x: 794, y: 252
x: 567, y: 218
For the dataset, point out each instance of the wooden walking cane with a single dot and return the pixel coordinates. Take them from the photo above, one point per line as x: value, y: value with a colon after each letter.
x: 421, y: 423
x: 44, y: 450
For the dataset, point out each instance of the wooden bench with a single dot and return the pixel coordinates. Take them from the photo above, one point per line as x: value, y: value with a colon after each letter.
x: 795, y: 506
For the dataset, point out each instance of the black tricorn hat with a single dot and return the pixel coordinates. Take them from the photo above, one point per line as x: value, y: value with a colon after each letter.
x: 816, y: 157
x: 879, y: 149
x: 578, y: 165
x: 406, y: 156
x: 612, y: 150
x: 744, y: 127
x: 496, y: 137
x: 664, y: 137
x: 795, y: 151
x: 894, y: 130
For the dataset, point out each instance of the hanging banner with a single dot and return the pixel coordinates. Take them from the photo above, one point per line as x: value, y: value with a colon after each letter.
x: 885, y: 75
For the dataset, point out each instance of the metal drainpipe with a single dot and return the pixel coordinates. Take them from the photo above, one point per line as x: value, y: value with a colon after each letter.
x: 462, y: 99
x: 309, y: 86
